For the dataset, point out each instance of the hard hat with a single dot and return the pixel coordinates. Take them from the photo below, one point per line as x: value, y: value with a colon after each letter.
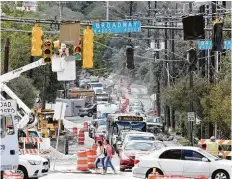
x: 212, y: 138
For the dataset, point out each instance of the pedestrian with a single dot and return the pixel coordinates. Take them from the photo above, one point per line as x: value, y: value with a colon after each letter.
x: 100, y: 156
x: 109, y: 152
x: 213, y: 148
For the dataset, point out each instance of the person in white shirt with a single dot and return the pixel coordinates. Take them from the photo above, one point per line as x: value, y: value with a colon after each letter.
x: 100, y: 155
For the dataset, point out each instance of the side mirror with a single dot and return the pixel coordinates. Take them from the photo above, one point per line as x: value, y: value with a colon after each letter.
x: 205, y: 159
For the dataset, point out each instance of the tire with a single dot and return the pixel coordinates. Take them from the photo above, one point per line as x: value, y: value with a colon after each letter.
x: 219, y: 174
x: 22, y: 171
x: 151, y: 170
x: 90, y: 114
x: 81, y: 115
x: 122, y: 169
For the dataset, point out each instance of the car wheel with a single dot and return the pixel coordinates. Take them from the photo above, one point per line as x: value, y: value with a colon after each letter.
x: 122, y: 169
x: 81, y: 115
x: 150, y: 171
x: 90, y: 114
x: 220, y: 174
x: 22, y: 171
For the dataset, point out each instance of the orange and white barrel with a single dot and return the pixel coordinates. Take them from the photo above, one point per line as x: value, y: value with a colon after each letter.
x: 91, y: 158
x: 75, y: 131
x: 82, y: 161
x: 11, y: 175
x: 81, y: 137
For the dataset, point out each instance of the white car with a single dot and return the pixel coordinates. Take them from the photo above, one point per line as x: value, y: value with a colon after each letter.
x: 32, y: 166
x: 139, y: 136
x: 185, y: 161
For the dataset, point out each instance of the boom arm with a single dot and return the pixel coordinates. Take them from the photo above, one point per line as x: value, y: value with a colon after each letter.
x: 16, y: 73
x: 26, y: 120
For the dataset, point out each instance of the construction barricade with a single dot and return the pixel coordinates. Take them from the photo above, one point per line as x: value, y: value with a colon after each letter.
x: 82, y: 161
x: 34, y: 145
x: 226, y: 146
x: 91, y: 158
x: 81, y: 137
x: 11, y: 175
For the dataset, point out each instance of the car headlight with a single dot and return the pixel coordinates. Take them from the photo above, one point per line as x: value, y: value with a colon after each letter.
x: 33, y: 162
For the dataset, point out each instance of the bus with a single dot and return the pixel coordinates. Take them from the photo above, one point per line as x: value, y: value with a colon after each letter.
x: 119, y: 122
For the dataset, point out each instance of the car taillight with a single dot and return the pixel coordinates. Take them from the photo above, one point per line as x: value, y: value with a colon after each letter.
x: 136, y: 161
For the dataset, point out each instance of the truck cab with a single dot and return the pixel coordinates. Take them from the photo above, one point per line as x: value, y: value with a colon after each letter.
x: 9, y: 143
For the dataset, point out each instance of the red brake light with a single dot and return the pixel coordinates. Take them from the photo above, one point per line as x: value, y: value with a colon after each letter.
x: 136, y: 161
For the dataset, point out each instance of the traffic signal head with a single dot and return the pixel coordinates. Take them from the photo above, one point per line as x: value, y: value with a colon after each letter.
x: 36, y: 41
x: 130, y: 58
x: 47, y: 51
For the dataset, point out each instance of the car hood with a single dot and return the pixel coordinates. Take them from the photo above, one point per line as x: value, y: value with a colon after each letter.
x: 223, y: 162
x: 32, y: 157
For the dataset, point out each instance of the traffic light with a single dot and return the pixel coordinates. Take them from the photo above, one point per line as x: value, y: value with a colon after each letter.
x: 88, y: 48
x: 194, y: 27
x: 130, y: 57
x: 217, y: 39
x: 47, y: 51
x: 77, y: 51
x: 36, y: 41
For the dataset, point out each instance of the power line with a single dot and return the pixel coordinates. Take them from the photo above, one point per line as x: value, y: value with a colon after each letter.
x: 90, y: 22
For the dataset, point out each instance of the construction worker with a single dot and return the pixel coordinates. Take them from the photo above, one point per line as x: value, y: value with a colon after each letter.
x: 213, y: 148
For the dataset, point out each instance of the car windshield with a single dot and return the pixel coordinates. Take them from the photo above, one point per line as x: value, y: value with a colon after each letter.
x: 141, y: 138
x: 141, y: 146
x: 97, y: 85
x: 101, y: 122
x: 208, y: 155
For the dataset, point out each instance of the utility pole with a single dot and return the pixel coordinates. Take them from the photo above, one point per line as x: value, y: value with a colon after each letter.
x: 107, y: 10
x: 31, y: 71
x: 131, y: 6
x: 61, y: 10
x: 190, y: 88
x: 167, y: 108
x: 6, y: 60
x: 148, y: 30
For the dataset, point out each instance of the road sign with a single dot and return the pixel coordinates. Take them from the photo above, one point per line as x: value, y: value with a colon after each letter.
x: 207, y: 44
x: 191, y: 116
x: 8, y: 107
x: 116, y: 27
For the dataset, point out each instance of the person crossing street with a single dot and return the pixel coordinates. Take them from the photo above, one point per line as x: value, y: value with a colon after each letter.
x: 109, y: 151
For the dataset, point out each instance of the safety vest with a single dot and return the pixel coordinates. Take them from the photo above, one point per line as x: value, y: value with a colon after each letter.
x: 212, y: 148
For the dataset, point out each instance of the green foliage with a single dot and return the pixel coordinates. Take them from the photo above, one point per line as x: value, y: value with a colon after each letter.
x: 24, y: 89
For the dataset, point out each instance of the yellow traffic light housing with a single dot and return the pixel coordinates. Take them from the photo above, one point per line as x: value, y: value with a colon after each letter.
x: 47, y: 51
x: 36, y: 41
x: 88, y: 48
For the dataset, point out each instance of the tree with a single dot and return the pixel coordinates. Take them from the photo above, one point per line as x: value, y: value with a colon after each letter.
x: 24, y: 89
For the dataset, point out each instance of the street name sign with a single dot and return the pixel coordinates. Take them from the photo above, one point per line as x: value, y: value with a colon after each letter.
x: 116, y: 27
x: 191, y: 116
x: 207, y: 44
x: 8, y: 107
